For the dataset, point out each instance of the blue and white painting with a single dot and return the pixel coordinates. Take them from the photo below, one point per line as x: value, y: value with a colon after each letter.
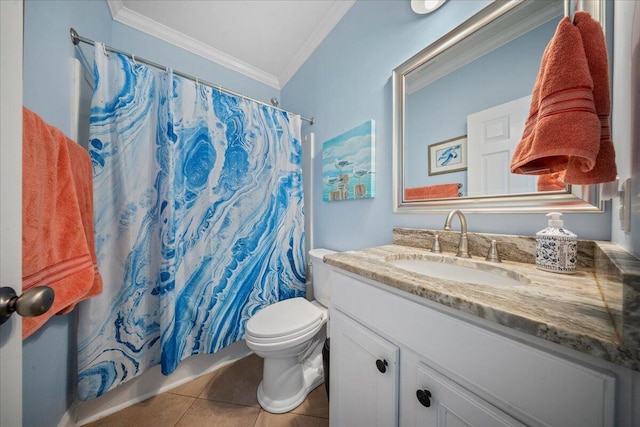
x: 448, y: 156
x: 348, y: 164
x: 198, y: 219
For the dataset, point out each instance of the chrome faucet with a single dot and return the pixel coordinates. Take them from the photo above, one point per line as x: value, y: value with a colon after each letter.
x: 463, y: 245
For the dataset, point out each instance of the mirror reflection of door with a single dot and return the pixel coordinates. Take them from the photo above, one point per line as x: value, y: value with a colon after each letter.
x: 493, y: 135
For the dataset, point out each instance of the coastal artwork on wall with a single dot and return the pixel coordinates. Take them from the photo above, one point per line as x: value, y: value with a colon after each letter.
x: 348, y: 164
x: 448, y: 156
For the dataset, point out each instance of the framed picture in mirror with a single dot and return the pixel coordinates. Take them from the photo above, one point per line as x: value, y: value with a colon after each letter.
x: 448, y: 156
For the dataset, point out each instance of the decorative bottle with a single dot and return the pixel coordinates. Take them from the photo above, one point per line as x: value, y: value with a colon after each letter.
x: 556, y: 247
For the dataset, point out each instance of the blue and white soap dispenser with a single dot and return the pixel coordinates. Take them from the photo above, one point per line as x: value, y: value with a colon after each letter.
x: 556, y: 247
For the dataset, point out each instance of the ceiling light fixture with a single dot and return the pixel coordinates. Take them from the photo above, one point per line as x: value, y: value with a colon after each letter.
x: 425, y: 6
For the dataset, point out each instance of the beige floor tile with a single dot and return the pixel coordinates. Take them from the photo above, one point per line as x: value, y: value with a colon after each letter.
x: 316, y: 404
x: 236, y: 383
x: 195, y: 387
x: 163, y: 410
x: 207, y: 413
x: 228, y: 399
x: 266, y: 419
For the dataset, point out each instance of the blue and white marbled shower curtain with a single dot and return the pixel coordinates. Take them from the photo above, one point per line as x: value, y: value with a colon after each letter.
x: 199, y: 220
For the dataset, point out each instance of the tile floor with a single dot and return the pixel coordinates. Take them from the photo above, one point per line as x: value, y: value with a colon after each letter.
x: 223, y: 398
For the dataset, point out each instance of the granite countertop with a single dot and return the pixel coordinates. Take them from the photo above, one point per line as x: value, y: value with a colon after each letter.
x: 575, y: 310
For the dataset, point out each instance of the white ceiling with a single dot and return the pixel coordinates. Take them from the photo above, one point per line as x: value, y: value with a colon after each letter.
x: 267, y: 40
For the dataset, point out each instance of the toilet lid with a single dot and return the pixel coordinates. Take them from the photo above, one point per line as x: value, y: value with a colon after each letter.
x: 292, y: 316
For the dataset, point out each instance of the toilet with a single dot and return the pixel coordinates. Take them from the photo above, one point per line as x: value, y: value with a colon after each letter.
x: 289, y: 336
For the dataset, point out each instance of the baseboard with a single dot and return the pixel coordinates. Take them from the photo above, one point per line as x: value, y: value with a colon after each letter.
x: 153, y: 382
x: 67, y: 418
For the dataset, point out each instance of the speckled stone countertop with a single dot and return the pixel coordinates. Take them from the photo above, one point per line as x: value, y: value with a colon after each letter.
x: 595, y: 311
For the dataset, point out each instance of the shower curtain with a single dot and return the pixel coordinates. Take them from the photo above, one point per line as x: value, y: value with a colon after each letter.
x: 198, y: 217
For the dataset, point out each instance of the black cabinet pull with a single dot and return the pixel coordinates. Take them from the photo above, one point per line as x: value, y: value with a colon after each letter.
x: 424, y: 397
x: 382, y: 365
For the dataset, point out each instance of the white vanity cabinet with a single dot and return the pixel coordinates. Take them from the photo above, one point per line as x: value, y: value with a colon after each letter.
x: 443, y: 370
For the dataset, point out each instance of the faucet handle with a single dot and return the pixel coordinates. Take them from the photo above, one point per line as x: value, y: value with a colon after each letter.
x: 493, y: 255
x: 435, y: 247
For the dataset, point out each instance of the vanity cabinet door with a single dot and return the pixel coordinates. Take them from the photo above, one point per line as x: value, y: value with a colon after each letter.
x: 439, y: 402
x: 364, y: 376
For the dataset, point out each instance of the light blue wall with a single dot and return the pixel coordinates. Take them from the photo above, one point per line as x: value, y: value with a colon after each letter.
x: 625, y: 126
x: 48, y: 51
x: 49, y: 356
x: 347, y: 81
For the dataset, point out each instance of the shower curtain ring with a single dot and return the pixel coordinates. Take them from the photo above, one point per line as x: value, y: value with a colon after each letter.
x: 104, y: 50
x: 133, y: 59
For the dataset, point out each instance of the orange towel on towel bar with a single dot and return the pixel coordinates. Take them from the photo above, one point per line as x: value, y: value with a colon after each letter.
x: 595, y: 49
x: 55, y: 248
x: 562, y: 120
x: 439, y: 191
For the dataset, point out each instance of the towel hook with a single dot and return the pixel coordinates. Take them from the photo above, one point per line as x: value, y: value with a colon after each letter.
x: 567, y: 9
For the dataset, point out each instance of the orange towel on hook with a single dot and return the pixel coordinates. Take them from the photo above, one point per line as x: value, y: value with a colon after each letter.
x: 562, y: 120
x: 595, y: 49
x: 55, y: 248
x: 439, y: 191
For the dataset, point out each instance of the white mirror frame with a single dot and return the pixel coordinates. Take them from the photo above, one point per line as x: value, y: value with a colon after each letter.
x: 579, y: 199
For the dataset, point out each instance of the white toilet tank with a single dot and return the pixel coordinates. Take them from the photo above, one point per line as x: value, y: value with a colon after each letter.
x: 321, y: 273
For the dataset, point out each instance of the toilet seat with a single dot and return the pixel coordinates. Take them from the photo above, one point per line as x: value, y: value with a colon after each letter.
x: 285, y: 321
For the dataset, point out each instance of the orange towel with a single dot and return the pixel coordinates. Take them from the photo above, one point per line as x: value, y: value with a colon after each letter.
x: 55, y: 249
x: 440, y: 191
x: 595, y: 49
x: 562, y: 119
x: 551, y: 181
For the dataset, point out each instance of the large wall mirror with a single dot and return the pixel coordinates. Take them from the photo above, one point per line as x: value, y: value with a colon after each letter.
x: 467, y: 93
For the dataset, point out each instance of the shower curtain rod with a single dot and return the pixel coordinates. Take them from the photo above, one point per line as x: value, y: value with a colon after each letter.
x: 77, y: 38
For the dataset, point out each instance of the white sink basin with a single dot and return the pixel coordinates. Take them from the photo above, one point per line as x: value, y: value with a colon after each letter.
x: 458, y: 273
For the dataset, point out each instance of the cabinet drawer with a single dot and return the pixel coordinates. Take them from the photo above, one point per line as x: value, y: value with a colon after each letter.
x: 448, y: 404
x: 535, y: 386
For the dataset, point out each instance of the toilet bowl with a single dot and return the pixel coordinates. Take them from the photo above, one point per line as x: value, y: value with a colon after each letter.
x: 289, y: 336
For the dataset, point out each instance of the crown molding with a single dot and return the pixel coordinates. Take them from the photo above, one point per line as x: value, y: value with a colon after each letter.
x: 335, y: 14
x: 115, y: 6
x: 133, y: 19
